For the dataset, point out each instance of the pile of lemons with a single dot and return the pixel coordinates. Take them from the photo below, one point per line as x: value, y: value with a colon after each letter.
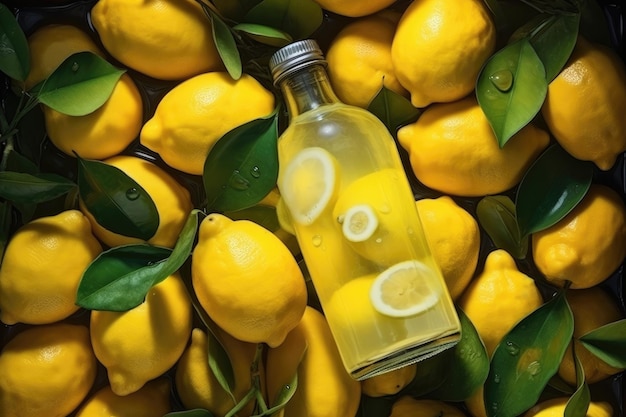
x: 62, y: 361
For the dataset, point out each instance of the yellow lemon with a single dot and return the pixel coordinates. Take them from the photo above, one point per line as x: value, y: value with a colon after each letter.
x: 592, y: 308
x: 159, y: 38
x: 247, y: 280
x: 453, y: 237
x: 103, y: 133
x: 196, y: 113
x: 498, y: 298
x: 389, y: 383
x: 196, y: 384
x: 42, y: 267
x: 453, y: 149
x: 354, y: 8
x: 325, y: 389
x: 555, y: 407
x: 359, y: 60
x: 46, y: 370
x: 587, y: 245
x: 143, y: 343
x: 439, y: 48
x: 172, y: 200
x: 582, y: 107
x: 407, y: 406
x: 153, y: 399
x: 51, y: 44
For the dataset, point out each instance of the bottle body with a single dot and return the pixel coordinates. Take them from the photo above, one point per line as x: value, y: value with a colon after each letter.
x: 353, y: 211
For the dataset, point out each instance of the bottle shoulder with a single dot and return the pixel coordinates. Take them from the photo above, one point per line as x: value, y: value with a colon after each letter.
x: 338, y: 113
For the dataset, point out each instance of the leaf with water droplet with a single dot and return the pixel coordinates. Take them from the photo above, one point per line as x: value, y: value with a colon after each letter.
x: 510, y: 110
x: 119, y: 278
x: 298, y: 18
x: 608, y: 343
x: 81, y: 84
x: 242, y: 166
x: 496, y: 215
x: 103, y: 190
x: 467, y: 367
x: 578, y: 403
x: 393, y: 109
x: 225, y: 42
x: 553, y: 185
x: 14, y: 50
x: 542, y: 338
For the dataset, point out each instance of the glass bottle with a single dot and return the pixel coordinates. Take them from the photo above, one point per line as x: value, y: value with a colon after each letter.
x: 346, y: 193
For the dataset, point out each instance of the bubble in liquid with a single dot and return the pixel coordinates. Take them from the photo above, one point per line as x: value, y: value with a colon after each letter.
x: 132, y: 194
x: 316, y: 240
x: 502, y: 80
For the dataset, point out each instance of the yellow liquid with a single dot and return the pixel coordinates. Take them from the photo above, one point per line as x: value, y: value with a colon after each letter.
x: 343, y: 271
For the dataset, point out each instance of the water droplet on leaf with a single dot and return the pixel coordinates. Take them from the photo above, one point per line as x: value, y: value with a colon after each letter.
x: 132, y: 194
x: 238, y: 182
x: 75, y: 66
x: 502, y: 80
x: 496, y: 378
x: 512, y: 348
x: 255, y: 172
x: 534, y: 368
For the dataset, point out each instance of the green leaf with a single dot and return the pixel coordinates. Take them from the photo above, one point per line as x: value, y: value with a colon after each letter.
x: 392, y: 109
x: 14, y: 51
x: 116, y: 201
x: 527, y: 357
x: 262, y: 215
x: 608, y: 343
x: 578, y: 403
x: 467, y: 368
x: 196, y: 412
x: 284, y: 395
x: 119, y: 278
x: 299, y: 18
x: 221, y: 365
x: 80, y: 85
x: 225, y: 43
x: 5, y: 226
x: 242, y: 166
x: 593, y: 23
x: 265, y: 34
x: 496, y: 215
x: 23, y: 188
x: 511, y: 89
x: 431, y: 373
x: 553, y: 185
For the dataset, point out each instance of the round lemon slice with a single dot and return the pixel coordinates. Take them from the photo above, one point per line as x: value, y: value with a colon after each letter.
x: 405, y: 289
x: 359, y: 223
x: 309, y: 184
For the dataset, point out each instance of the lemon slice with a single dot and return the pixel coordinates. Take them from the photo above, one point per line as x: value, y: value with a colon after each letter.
x: 405, y: 289
x: 309, y: 183
x: 359, y: 223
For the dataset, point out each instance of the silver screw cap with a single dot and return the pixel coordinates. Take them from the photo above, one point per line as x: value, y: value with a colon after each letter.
x: 293, y: 57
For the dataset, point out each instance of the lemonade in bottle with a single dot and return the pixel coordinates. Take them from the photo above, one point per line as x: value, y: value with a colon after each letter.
x: 354, y: 215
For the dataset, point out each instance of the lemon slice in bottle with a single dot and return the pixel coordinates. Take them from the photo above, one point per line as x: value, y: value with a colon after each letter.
x: 309, y: 184
x: 359, y: 223
x: 405, y: 289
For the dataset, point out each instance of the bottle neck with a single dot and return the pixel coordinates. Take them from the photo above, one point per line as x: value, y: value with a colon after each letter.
x: 307, y: 89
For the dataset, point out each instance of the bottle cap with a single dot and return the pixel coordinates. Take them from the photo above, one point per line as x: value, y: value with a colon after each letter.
x: 293, y: 57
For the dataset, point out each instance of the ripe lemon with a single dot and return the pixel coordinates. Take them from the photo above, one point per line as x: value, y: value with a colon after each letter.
x: 439, y: 48
x: 196, y: 113
x: 499, y: 298
x: 51, y: 44
x: 153, y: 399
x: 373, y: 217
x: 359, y: 59
x: 247, y: 280
x: 555, y: 407
x: 162, y: 39
x: 588, y: 244
x: 325, y: 388
x: 354, y: 8
x: 389, y: 383
x: 453, y: 149
x: 46, y: 370
x: 407, y: 406
x: 196, y: 384
x: 42, y: 267
x: 582, y: 107
x: 454, y: 239
x: 105, y: 132
x: 592, y: 308
x: 172, y: 200
x: 141, y: 344
x: 309, y: 184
